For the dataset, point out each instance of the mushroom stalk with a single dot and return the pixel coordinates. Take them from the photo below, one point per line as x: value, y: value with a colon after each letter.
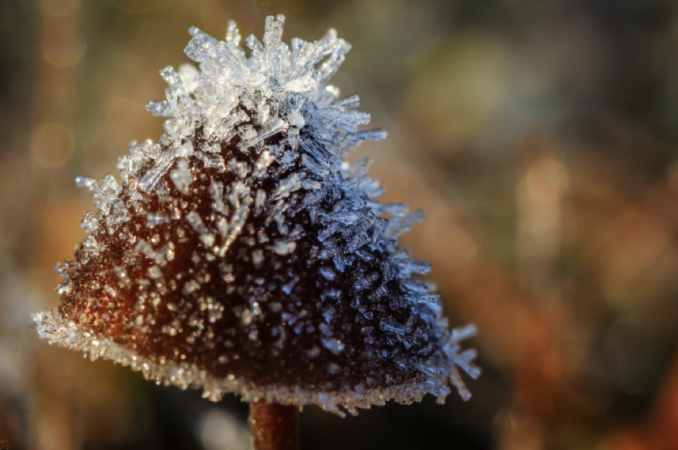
x: 274, y: 426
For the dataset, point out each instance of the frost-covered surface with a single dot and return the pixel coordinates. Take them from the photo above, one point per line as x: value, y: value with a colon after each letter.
x: 242, y: 253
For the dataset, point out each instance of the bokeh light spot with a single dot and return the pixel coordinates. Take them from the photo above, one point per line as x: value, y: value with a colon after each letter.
x: 546, y: 181
x: 140, y: 6
x: 60, y: 8
x: 219, y: 430
x: 52, y: 144
x: 63, y: 54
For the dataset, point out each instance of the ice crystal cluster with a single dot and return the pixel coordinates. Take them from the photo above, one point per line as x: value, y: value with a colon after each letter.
x: 242, y: 253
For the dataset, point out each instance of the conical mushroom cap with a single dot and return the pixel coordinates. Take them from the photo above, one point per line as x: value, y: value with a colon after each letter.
x: 242, y: 253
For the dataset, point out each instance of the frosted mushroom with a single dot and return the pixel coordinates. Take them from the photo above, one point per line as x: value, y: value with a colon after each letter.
x: 242, y: 254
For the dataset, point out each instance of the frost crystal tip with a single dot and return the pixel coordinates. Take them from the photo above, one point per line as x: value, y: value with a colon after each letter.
x: 243, y: 254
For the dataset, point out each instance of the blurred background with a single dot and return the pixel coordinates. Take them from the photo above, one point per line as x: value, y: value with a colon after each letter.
x: 538, y: 136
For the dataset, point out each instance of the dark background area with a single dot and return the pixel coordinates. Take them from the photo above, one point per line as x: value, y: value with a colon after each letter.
x: 538, y: 136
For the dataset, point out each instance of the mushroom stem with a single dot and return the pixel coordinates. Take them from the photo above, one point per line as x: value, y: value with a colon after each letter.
x: 273, y: 426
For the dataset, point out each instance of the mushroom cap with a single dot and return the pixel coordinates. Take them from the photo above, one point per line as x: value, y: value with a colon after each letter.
x: 243, y: 254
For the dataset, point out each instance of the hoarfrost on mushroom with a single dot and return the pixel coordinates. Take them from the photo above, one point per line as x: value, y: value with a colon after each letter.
x: 242, y: 253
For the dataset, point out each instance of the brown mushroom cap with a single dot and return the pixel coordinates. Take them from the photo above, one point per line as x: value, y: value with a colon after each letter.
x: 235, y: 258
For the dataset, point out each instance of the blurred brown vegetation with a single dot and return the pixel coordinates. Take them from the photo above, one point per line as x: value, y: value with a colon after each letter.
x: 538, y: 137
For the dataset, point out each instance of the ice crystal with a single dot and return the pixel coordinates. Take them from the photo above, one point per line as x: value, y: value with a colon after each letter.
x: 242, y: 253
